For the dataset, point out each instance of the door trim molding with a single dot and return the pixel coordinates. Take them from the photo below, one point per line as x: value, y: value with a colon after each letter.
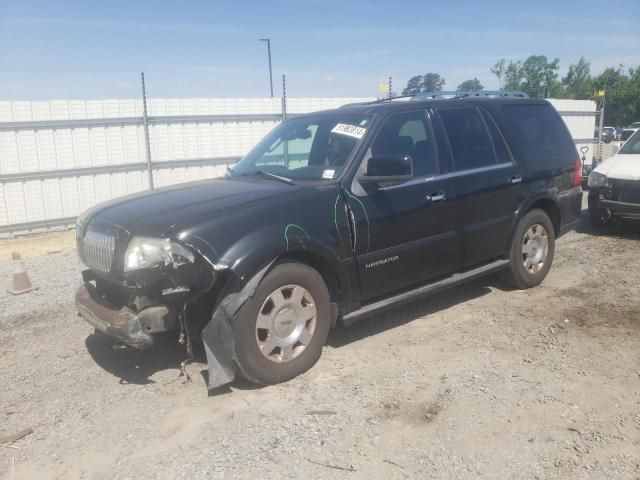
x: 455, y: 279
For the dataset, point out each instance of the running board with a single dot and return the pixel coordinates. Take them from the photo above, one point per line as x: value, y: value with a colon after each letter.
x: 453, y: 280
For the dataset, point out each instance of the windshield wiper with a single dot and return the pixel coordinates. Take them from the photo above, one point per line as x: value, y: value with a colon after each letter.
x: 265, y: 174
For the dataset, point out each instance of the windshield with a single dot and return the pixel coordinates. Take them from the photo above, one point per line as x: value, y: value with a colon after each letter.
x: 632, y: 145
x: 308, y: 148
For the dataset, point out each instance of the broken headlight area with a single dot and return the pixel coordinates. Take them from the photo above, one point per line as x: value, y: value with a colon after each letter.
x: 156, y: 296
x: 148, y: 252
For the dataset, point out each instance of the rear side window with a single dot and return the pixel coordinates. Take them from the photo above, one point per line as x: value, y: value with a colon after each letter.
x: 538, y: 135
x: 468, y: 137
x: 502, y: 153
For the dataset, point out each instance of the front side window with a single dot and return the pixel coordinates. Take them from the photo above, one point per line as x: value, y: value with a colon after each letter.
x: 626, y: 134
x: 470, y: 143
x: 408, y: 134
x: 307, y: 148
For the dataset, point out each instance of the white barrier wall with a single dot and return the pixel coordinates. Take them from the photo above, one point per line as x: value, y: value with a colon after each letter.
x: 58, y: 158
x: 580, y: 118
x: 50, y: 172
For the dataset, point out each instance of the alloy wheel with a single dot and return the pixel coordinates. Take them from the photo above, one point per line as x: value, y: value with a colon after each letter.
x: 286, y: 323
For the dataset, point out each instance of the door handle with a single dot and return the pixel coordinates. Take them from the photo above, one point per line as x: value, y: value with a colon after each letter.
x: 436, y: 197
x: 515, y: 179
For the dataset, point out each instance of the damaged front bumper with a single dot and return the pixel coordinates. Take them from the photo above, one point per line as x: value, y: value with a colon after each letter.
x: 131, y: 328
x: 136, y: 328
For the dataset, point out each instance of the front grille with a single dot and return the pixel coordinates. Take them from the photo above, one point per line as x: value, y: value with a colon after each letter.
x: 98, y: 250
x: 627, y: 191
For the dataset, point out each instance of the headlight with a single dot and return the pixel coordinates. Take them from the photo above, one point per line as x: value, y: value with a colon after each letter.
x: 597, y: 180
x: 146, y: 252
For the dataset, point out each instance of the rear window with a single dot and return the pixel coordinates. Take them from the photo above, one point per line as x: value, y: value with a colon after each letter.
x: 538, y: 135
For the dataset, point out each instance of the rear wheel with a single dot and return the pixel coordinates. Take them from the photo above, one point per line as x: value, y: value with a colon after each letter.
x: 280, y: 331
x: 532, y: 250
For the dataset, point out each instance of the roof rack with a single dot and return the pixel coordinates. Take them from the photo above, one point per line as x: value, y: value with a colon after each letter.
x: 446, y: 94
x: 380, y: 100
x: 469, y: 93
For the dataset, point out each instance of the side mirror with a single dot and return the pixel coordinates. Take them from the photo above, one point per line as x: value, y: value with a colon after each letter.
x: 388, y: 169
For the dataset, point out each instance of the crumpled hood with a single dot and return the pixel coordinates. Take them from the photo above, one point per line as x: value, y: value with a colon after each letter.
x: 163, y: 210
x: 622, y: 166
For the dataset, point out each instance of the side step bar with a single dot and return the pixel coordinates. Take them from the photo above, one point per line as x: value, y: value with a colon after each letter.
x: 453, y: 280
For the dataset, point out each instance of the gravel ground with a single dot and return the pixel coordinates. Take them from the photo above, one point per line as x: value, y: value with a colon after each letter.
x: 477, y: 381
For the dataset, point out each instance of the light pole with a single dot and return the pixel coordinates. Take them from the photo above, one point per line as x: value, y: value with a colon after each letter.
x: 268, y: 40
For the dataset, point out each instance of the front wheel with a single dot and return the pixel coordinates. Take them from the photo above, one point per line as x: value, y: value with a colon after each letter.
x: 600, y: 217
x: 279, y: 332
x: 532, y: 250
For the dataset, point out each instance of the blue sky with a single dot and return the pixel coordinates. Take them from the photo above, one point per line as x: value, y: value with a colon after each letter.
x: 90, y: 49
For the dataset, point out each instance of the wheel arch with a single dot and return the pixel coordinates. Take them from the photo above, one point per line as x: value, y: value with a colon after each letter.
x: 339, y: 289
x: 313, y: 253
x: 545, y: 202
x: 551, y: 208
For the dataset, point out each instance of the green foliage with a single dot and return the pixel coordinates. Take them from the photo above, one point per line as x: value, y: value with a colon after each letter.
x: 538, y: 77
x: 577, y: 83
x: 622, y: 95
x: 414, y: 85
x: 429, y: 82
x: 473, y: 84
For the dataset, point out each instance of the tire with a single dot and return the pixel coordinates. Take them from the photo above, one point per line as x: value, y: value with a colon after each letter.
x: 599, y: 217
x: 291, y: 341
x: 534, y: 226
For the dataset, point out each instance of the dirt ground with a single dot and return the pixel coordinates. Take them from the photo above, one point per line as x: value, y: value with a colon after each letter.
x: 475, y: 382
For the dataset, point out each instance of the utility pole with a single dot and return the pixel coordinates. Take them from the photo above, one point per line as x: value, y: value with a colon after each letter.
x: 600, y: 144
x: 390, y: 87
x: 268, y: 40
x: 284, y: 97
x: 145, y: 124
x: 285, y: 146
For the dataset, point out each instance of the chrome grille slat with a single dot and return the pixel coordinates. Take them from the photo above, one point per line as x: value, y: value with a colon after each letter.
x: 98, y: 250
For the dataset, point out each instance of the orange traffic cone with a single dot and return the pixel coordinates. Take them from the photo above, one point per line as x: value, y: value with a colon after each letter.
x: 21, y: 282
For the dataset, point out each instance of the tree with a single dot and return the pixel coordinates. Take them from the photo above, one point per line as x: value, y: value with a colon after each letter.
x: 513, y: 76
x: 432, y: 82
x: 536, y: 76
x: 622, y: 95
x: 577, y: 82
x: 473, y: 84
x: 414, y: 85
x: 429, y: 82
x: 540, y: 75
x: 499, y: 70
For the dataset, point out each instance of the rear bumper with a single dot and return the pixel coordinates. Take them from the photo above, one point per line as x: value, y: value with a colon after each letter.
x: 570, y: 203
x: 131, y: 328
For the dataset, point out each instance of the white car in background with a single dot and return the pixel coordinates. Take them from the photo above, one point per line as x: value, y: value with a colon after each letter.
x: 614, y: 186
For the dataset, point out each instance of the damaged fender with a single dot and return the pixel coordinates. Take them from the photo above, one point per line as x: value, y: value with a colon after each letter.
x: 217, y: 335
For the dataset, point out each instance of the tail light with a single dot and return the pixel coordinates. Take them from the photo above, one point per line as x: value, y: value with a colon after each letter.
x: 577, y: 174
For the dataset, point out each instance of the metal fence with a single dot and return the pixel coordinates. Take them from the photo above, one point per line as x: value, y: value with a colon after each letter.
x: 58, y: 158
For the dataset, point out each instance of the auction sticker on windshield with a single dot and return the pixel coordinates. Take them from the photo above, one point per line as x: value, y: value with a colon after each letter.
x: 350, y: 130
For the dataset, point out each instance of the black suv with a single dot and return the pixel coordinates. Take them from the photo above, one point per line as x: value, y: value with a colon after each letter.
x: 332, y: 216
